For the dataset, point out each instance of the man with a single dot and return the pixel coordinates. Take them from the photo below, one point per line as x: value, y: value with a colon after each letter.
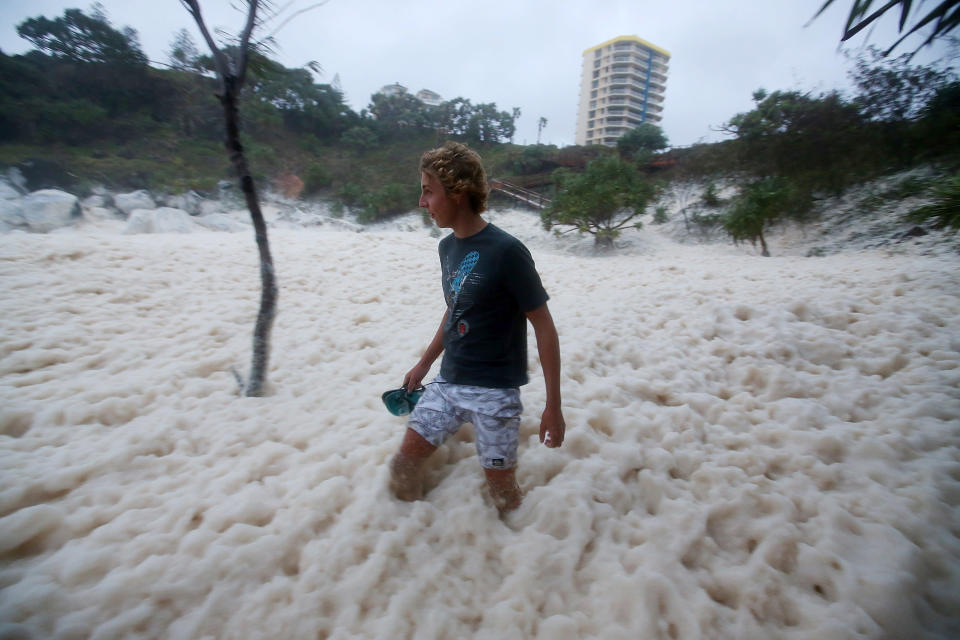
x: 491, y: 289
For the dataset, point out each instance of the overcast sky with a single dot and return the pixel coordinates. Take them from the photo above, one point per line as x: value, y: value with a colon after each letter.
x: 527, y: 53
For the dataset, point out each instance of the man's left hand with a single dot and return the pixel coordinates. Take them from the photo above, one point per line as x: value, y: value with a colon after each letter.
x: 552, y: 427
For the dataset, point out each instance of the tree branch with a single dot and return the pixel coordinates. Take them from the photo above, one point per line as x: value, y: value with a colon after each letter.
x: 194, y: 8
x: 295, y: 14
x: 243, y: 55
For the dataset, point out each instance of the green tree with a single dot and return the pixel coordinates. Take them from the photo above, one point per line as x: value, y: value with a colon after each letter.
x: 760, y: 204
x: 477, y: 123
x: 642, y: 141
x: 940, y: 124
x: 81, y: 38
x: 399, y: 111
x: 184, y: 55
x: 360, y: 137
x: 789, y: 133
x: 602, y: 200
x: 893, y: 90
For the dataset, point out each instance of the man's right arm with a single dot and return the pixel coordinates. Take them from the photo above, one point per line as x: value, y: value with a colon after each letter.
x: 416, y: 375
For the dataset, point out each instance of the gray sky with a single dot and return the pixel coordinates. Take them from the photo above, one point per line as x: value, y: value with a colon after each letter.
x: 527, y: 53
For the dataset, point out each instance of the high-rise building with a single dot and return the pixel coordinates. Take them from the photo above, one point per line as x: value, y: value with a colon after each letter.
x: 431, y: 98
x: 621, y: 86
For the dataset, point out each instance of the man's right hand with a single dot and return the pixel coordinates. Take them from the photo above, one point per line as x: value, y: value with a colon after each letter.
x: 414, y: 377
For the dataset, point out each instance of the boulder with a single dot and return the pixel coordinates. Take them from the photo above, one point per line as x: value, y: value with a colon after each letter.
x: 208, y: 207
x: 230, y: 194
x: 11, y: 215
x: 913, y: 232
x: 189, y: 202
x: 221, y: 222
x: 94, y: 201
x: 129, y: 202
x: 162, y: 220
x: 50, y: 209
x: 8, y: 191
x: 17, y: 181
x: 96, y: 214
x: 289, y: 185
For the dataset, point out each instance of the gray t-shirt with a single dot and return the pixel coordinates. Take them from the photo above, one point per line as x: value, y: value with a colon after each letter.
x: 489, y: 283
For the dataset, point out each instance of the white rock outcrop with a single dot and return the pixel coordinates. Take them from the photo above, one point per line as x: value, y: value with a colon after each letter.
x: 49, y: 209
x: 98, y: 214
x: 189, y: 202
x: 221, y: 222
x: 11, y: 215
x: 129, y: 202
x: 162, y: 220
x: 7, y: 192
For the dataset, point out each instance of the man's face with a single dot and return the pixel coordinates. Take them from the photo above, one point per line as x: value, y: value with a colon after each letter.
x: 441, y: 206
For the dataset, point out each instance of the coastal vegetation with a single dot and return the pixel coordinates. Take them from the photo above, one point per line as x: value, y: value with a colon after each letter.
x: 86, y: 108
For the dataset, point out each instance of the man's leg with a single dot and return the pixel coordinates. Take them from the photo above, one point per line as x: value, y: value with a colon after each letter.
x: 503, y: 488
x: 405, y: 479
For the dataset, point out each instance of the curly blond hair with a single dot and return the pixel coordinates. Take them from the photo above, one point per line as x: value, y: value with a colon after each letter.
x: 460, y: 171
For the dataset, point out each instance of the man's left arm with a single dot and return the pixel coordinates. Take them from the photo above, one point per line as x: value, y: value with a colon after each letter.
x: 552, y: 426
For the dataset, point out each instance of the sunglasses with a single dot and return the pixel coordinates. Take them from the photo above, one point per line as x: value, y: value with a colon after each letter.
x: 400, y: 402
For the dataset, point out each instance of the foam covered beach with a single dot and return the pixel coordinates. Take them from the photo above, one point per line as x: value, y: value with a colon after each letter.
x: 756, y: 447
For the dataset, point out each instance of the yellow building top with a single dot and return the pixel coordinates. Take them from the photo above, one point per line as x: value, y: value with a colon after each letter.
x: 630, y: 39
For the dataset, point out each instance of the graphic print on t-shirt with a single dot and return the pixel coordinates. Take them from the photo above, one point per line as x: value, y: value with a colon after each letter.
x: 460, y: 275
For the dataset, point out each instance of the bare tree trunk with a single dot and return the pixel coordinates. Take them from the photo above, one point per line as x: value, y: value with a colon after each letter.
x: 268, y: 294
x: 231, y: 77
x: 763, y: 245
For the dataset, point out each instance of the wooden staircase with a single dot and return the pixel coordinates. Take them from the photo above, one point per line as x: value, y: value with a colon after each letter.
x: 532, y: 198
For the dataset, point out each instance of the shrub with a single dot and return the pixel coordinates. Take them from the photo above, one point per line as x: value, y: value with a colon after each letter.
x: 710, y: 196
x: 316, y: 178
x: 360, y: 138
x: 352, y: 194
x: 391, y: 199
x: 761, y: 203
x: 660, y: 215
x: 706, y: 220
x: 944, y: 211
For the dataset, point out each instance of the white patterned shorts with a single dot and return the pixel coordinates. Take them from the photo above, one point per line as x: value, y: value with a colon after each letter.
x: 494, y: 413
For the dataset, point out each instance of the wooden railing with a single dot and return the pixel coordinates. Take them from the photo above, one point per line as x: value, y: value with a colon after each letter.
x: 534, y: 199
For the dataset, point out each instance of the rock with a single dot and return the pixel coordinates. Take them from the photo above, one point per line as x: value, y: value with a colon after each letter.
x: 230, y: 194
x: 189, y: 202
x: 913, y: 232
x: 8, y: 191
x: 162, y: 220
x: 128, y: 202
x: 17, y: 181
x: 221, y: 222
x: 96, y: 214
x: 208, y: 207
x: 289, y: 185
x: 50, y: 209
x: 11, y: 215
